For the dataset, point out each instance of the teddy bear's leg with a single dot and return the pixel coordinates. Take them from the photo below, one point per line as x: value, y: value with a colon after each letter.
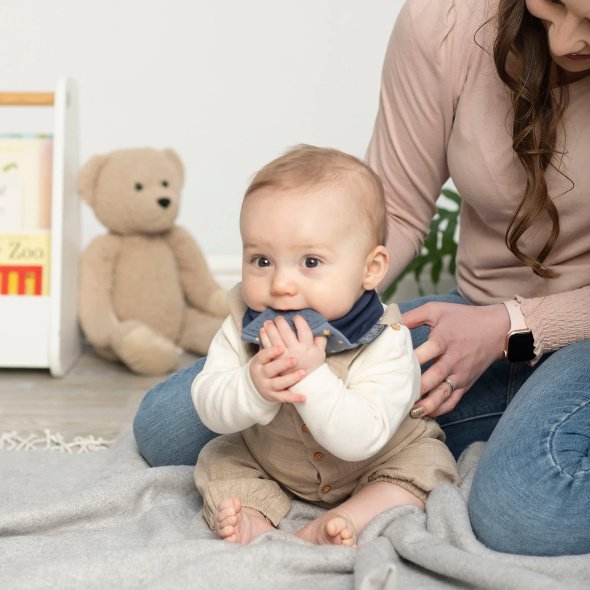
x: 106, y: 353
x: 199, y: 329
x: 144, y: 350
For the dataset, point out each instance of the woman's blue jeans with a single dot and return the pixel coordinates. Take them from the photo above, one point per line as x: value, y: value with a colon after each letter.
x: 531, y: 491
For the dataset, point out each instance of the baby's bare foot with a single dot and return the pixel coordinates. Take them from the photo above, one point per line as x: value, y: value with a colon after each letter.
x: 340, y: 531
x: 237, y: 524
x: 330, y: 529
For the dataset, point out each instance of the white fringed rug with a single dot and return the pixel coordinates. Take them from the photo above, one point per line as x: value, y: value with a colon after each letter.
x: 52, y: 441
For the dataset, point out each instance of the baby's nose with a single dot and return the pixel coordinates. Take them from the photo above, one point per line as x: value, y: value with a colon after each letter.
x: 282, y: 283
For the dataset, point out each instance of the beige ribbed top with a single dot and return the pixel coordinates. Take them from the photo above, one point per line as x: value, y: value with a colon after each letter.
x: 444, y: 113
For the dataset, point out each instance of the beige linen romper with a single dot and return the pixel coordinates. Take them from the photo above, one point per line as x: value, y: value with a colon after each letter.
x: 265, y: 466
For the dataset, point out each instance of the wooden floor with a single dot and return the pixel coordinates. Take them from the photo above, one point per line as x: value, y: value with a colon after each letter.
x: 95, y: 398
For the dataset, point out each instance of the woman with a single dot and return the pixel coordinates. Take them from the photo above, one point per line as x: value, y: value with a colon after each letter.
x: 494, y: 94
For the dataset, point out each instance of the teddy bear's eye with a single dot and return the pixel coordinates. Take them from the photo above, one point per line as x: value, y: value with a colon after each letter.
x: 138, y: 186
x: 165, y: 183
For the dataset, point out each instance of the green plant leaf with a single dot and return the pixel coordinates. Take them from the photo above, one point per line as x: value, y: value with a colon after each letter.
x: 442, y: 230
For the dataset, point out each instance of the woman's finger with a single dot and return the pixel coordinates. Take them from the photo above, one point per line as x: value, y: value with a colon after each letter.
x: 450, y: 404
x: 434, y: 400
x: 430, y: 350
x: 419, y: 316
x: 435, y: 375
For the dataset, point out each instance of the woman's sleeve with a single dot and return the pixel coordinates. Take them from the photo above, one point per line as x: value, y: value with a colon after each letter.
x: 408, y: 148
x: 558, y: 320
x: 223, y: 393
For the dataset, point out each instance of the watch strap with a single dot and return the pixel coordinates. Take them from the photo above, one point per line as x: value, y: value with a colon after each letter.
x: 517, y: 321
x: 519, y: 340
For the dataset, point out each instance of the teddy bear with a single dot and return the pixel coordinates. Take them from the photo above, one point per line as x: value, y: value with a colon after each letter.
x: 146, y: 292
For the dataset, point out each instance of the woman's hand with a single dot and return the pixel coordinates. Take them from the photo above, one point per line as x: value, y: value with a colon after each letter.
x: 464, y: 341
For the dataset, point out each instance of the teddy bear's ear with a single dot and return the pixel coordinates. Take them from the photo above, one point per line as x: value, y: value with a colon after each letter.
x: 175, y: 159
x: 88, y: 177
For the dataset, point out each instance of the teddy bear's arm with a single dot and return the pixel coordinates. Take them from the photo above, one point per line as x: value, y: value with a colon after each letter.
x: 95, y: 309
x: 200, y: 288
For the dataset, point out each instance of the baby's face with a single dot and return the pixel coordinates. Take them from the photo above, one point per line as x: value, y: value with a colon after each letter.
x: 303, y: 248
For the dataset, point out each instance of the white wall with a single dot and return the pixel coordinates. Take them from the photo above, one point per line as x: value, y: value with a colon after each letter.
x: 229, y: 84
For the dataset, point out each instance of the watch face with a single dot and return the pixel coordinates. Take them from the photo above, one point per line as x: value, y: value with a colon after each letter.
x: 521, y: 347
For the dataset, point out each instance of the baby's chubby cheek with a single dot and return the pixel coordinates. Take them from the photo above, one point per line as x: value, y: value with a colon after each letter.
x: 253, y: 296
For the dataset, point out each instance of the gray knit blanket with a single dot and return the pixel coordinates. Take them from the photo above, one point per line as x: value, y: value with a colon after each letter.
x: 107, y: 520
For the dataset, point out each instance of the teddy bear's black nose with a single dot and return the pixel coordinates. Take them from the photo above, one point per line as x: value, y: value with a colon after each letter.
x: 164, y: 202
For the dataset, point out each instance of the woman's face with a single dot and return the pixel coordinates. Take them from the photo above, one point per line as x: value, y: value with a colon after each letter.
x: 568, y: 30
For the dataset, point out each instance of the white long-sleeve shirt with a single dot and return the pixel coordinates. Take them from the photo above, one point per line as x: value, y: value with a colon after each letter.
x: 353, y: 419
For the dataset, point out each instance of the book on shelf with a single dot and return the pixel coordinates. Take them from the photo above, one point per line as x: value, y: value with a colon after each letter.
x: 25, y: 214
x: 25, y: 182
x: 24, y: 263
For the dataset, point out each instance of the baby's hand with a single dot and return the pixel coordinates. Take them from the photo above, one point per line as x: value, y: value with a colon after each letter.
x: 273, y: 373
x: 308, y: 350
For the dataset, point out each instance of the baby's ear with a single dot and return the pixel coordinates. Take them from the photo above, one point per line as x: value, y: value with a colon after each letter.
x: 376, y: 266
x: 89, y: 175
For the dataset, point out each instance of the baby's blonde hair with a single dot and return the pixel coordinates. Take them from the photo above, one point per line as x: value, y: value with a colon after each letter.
x: 308, y: 165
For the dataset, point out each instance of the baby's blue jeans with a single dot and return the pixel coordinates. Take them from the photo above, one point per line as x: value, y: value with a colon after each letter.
x: 531, y: 492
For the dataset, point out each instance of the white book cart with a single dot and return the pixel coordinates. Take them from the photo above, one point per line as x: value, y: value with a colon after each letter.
x: 42, y: 331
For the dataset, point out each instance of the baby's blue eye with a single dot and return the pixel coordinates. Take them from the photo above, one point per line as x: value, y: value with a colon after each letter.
x: 311, y: 262
x: 262, y: 262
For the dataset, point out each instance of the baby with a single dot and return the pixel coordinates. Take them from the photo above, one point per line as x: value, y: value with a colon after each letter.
x: 311, y: 378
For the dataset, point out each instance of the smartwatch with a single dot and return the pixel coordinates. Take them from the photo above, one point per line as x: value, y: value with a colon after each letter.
x: 520, y: 344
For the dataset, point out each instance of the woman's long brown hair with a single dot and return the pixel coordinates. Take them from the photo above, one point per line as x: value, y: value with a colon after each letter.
x: 523, y: 62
